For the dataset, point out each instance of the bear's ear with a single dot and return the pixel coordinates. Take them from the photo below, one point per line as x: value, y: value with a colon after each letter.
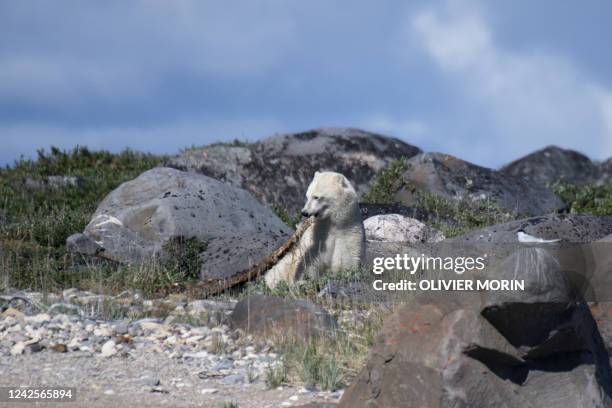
x: 317, y: 173
x: 343, y: 181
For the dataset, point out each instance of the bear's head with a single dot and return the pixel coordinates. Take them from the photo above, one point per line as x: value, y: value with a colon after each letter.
x: 330, y: 195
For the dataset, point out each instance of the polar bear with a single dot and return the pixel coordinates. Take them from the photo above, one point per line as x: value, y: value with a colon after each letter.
x: 334, y: 242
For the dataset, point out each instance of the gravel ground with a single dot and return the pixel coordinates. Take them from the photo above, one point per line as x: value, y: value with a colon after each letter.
x: 129, y: 381
x: 142, y: 362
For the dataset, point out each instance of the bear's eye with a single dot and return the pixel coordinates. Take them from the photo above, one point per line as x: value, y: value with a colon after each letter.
x: 316, y: 197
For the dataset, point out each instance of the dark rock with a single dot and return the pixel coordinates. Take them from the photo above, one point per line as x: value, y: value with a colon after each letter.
x: 567, y: 227
x: 351, y: 292
x: 537, y: 347
x: 427, y: 357
x: 277, y: 170
x: 34, y: 348
x: 602, y: 313
x: 552, y: 164
x: 263, y: 315
x: 452, y: 178
x: 543, y: 319
x: 165, y: 208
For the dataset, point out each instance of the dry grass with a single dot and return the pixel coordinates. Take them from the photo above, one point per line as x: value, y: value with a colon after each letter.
x: 329, y: 361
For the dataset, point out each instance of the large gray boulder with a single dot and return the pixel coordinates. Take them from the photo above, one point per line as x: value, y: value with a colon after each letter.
x: 449, y: 177
x: 136, y: 221
x: 552, y: 164
x: 277, y: 170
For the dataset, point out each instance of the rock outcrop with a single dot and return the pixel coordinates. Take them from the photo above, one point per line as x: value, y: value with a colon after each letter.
x: 538, y: 347
x: 576, y: 228
x: 552, y: 164
x: 277, y: 170
x: 449, y: 177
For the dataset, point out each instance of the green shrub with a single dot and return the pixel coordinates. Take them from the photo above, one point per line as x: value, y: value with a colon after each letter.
x: 588, y: 199
x: 388, y: 183
x: 458, y: 217
x: 284, y: 216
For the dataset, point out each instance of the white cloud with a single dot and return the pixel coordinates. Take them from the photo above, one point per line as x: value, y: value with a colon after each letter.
x: 529, y: 99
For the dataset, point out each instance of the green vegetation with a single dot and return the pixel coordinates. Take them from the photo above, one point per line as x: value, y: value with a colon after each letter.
x: 589, y: 199
x: 387, y: 184
x: 451, y: 217
x: 276, y: 376
x: 233, y: 143
x: 284, y: 216
x: 183, y: 258
x: 456, y: 217
x: 40, y: 215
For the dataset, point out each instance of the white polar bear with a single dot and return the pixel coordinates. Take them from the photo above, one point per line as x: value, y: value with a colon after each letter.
x: 335, y: 241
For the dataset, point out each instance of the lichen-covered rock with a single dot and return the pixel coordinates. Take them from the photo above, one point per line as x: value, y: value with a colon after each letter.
x: 552, y: 164
x: 277, y: 170
x: 449, y: 177
x: 397, y: 228
x: 139, y: 219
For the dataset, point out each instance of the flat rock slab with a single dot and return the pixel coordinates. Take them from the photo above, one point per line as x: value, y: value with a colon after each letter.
x: 268, y: 315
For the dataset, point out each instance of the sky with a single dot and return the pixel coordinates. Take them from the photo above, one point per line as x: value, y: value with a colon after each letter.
x: 485, y: 81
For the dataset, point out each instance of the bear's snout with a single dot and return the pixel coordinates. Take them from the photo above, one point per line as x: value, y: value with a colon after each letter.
x: 305, y: 213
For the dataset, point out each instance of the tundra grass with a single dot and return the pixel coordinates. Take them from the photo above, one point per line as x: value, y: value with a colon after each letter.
x: 36, y: 220
x: 329, y: 361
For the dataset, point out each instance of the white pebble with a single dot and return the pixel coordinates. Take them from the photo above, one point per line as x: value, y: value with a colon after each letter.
x: 108, y: 349
x: 18, y: 348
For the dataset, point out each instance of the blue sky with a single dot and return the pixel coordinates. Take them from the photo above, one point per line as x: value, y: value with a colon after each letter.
x: 486, y: 81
